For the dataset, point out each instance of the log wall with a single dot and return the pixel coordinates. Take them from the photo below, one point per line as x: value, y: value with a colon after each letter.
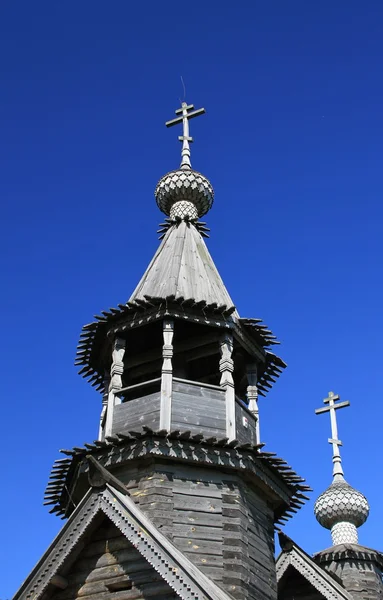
x: 222, y: 525
x: 109, y: 567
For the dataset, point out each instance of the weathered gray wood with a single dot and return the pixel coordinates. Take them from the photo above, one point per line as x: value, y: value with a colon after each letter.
x: 246, y: 425
x: 183, y: 268
x: 107, y: 561
x: 226, y: 367
x: 134, y: 414
x: 104, y: 406
x: 252, y: 395
x: 184, y: 385
x: 115, y: 385
x: 167, y: 375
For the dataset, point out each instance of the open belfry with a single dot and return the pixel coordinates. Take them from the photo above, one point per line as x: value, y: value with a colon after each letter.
x: 177, y: 497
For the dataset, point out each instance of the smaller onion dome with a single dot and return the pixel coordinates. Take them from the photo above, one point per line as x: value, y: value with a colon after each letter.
x: 184, y: 185
x: 340, y: 508
x: 341, y: 503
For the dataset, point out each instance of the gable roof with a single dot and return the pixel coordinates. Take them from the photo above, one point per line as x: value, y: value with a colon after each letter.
x: 293, y: 556
x: 183, y: 268
x: 177, y: 570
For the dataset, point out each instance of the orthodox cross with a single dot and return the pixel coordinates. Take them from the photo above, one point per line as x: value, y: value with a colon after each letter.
x: 334, y: 440
x: 185, y: 113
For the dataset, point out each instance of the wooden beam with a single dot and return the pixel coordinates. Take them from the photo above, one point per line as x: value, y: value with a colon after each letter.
x: 104, y: 406
x: 226, y: 367
x: 115, y: 385
x: 167, y: 375
x: 252, y: 395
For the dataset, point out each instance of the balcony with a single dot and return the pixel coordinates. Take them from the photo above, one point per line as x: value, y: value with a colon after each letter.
x: 196, y: 407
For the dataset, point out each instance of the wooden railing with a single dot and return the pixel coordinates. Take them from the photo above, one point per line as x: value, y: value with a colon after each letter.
x: 131, y: 392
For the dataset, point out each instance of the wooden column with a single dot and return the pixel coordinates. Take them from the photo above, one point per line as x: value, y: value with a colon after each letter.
x: 115, y: 384
x: 104, y: 406
x: 252, y: 395
x: 167, y: 375
x: 226, y: 367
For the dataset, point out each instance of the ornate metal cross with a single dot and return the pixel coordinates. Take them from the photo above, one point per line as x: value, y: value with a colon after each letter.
x: 334, y: 440
x: 185, y: 113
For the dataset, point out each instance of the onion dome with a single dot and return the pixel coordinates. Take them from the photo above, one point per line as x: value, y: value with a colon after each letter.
x: 190, y: 190
x: 340, y: 508
x: 184, y: 193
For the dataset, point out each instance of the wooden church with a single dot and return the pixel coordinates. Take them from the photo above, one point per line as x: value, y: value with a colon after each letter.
x: 177, y: 498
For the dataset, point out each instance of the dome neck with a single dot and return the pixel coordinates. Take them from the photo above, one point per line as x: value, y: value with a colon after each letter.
x: 344, y: 532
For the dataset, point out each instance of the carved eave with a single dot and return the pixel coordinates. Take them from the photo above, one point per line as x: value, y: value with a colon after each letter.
x: 285, y: 487
x: 293, y: 557
x: 252, y: 334
x: 260, y: 332
x: 137, y: 314
x: 349, y: 552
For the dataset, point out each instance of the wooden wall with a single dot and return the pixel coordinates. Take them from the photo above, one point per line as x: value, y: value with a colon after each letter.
x: 362, y: 578
x: 109, y: 567
x: 220, y: 523
x: 198, y: 409
x: 195, y: 407
x: 245, y: 435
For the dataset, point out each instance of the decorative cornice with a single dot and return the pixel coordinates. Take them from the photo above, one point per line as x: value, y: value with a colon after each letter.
x: 349, y: 551
x: 274, y: 472
x: 143, y: 312
x: 136, y: 314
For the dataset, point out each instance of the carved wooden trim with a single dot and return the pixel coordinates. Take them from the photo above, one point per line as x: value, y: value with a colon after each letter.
x: 115, y: 385
x: 226, y: 367
x: 104, y: 406
x: 167, y: 375
x: 319, y: 579
x: 69, y: 537
x: 252, y: 395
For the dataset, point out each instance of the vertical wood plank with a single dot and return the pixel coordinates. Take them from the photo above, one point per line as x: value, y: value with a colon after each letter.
x: 104, y: 406
x: 115, y: 385
x: 252, y: 395
x: 226, y: 367
x: 167, y: 375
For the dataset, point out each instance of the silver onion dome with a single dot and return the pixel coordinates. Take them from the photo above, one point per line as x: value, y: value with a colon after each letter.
x: 186, y: 186
x: 341, y: 503
x: 340, y: 508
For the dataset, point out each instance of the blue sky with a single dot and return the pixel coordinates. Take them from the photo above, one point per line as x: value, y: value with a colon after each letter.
x: 292, y: 142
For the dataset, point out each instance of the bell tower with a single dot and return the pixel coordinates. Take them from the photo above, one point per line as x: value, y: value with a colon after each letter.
x: 177, y: 356
x: 178, y: 467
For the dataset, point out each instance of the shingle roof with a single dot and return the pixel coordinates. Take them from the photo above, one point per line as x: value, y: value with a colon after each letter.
x: 182, y: 267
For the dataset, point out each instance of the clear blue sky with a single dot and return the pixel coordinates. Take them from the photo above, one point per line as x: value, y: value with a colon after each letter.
x: 292, y: 142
